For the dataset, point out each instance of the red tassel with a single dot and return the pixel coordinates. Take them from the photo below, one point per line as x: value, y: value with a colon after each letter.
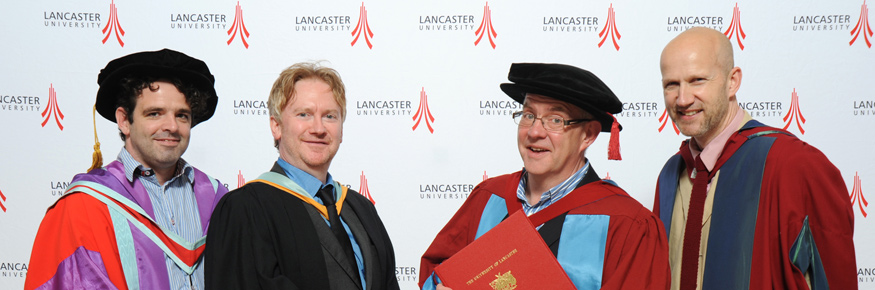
x: 614, y: 143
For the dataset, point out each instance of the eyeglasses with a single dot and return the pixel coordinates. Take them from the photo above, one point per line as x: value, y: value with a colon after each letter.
x: 552, y: 122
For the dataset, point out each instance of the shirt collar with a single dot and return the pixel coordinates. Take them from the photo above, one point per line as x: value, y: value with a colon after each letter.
x: 134, y: 167
x: 557, y: 192
x: 308, y: 182
x: 712, y: 152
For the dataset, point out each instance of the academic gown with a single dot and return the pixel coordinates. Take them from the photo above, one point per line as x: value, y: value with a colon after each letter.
x: 101, y: 235
x: 781, y: 212
x: 267, y: 235
x: 602, y: 237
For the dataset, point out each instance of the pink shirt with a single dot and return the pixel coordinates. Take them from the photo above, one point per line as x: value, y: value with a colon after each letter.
x: 712, y: 152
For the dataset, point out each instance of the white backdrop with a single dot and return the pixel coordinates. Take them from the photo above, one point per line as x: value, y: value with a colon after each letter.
x: 816, y: 50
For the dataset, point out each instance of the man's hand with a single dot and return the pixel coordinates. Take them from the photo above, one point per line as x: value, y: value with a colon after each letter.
x: 442, y: 287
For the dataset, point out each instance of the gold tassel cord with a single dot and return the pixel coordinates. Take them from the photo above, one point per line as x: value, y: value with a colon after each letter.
x: 97, y: 157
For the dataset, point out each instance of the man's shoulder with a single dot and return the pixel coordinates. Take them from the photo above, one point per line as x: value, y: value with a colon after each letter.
x: 611, y: 200
x: 673, y: 161
x: 252, y: 190
x: 79, y: 210
x: 98, y: 175
x: 498, y: 183
x: 785, y: 146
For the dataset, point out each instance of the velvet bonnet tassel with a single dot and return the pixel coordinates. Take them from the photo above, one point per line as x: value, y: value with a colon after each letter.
x: 97, y: 157
x: 614, y: 143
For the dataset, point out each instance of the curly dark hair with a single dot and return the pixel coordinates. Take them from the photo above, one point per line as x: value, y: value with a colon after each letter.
x: 132, y: 86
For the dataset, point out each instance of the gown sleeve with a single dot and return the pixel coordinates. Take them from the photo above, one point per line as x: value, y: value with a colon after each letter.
x: 815, y: 219
x: 75, y: 248
x: 636, y: 254
x: 240, y: 249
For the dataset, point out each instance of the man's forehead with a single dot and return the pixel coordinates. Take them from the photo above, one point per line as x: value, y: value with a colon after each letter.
x: 149, y: 99
x: 554, y: 104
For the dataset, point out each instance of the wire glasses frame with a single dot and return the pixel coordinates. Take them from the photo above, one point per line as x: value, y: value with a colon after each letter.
x: 553, y: 123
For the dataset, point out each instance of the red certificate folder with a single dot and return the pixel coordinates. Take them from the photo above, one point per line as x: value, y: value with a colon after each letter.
x: 512, y: 255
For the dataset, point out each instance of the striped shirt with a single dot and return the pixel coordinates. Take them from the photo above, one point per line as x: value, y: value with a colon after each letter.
x: 175, y: 209
x: 551, y: 196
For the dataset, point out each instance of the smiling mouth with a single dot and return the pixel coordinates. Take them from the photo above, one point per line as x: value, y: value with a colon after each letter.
x: 538, y: 150
x: 168, y: 142
x: 690, y: 113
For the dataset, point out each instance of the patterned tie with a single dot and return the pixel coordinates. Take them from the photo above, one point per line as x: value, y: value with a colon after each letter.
x: 327, y: 196
x: 693, y: 229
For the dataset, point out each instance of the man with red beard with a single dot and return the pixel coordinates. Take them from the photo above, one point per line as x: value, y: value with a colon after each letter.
x: 139, y: 222
x: 745, y: 206
x: 295, y: 227
x: 602, y: 237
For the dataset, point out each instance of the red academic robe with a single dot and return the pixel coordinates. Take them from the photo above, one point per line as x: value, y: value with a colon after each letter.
x: 781, y: 212
x: 602, y: 237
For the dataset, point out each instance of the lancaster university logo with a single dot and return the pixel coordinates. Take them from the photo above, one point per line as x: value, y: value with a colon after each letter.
x: 486, y: 27
x: 238, y: 27
x: 363, y: 28
x: 113, y: 26
x: 52, y: 109
x: 857, y: 195
x: 485, y: 177
x: 610, y: 28
x: 2, y: 200
x: 363, y: 188
x: 240, y: 180
x: 862, y: 26
x: 794, y: 114
x: 735, y: 27
x: 423, y: 112
x: 665, y: 119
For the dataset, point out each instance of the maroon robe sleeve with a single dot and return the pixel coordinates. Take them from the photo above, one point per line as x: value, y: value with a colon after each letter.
x: 799, y: 182
x: 636, y: 253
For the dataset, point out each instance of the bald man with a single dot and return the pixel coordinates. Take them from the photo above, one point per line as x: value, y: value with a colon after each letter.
x: 745, y: 206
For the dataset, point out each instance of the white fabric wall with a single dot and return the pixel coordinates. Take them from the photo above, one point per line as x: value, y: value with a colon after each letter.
x: 419, y: 177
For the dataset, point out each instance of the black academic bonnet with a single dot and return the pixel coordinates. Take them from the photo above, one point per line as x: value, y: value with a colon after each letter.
x: 566, y: 83
x: 162, y: 63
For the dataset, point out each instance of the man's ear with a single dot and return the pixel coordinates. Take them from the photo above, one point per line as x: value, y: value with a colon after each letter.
x: 124, y: 124
x: 590, y: 132
x: 276, y: 128
x: 734, y: 82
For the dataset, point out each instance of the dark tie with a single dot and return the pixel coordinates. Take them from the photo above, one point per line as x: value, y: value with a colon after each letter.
x: 693, y: 229
x: 327, y: 196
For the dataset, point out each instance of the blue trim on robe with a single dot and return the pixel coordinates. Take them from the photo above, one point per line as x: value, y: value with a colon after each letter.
x: 805, y: 256
x: 736, y: 203
x: 668, y: 188
x: 126, y: 250
x: 493, y: 213
x: 582, y: 249
x: 429, y: 283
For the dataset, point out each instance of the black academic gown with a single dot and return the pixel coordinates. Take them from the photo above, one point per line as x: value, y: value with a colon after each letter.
x: 261, y: 237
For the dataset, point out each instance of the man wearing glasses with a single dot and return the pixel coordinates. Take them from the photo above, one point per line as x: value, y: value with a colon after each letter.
x: 602, y: 237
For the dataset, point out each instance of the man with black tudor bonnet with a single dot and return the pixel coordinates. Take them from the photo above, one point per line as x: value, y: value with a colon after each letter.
x: 601, y: 236
x: 141, y: 221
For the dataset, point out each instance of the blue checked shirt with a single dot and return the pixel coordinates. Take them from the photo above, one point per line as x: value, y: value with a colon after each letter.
x: 175, y: 209
x: 551, y: 196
